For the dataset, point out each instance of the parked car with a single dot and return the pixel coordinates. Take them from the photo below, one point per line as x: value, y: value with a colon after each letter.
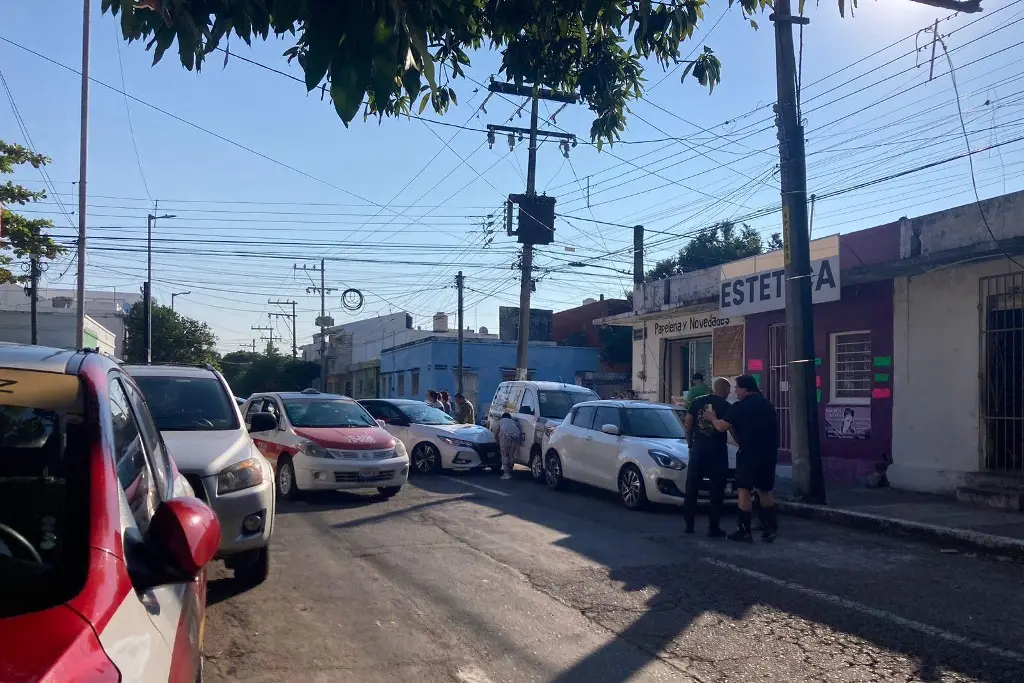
x: 538, y: 407
x: 102, y: 544
x: 203, y: 429
x: 635, y: 448
x: 434, y: 440
x: 239, y: 401
x: 325, y: 441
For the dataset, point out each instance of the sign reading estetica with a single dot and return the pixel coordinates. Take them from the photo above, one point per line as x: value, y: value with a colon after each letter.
x: 766, y: 291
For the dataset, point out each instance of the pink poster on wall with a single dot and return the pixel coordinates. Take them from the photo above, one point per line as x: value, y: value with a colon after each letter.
x: 848, y: 422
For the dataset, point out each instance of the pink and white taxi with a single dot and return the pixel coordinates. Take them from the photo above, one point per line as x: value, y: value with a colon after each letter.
x: 324, y: 441
x: 102, y: 545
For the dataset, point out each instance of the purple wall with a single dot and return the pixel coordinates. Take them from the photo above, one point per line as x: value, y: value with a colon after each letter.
x: 861, y: 307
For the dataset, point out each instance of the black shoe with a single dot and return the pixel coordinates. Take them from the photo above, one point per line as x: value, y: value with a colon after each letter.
x: 716, y: 532
x: 741, y: 534
x: 688, y: 529
x: 769, y: 524
x: 768, y: 535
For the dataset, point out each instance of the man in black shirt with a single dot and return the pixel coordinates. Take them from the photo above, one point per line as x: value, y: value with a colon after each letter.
x: 754, y: 424
x: 709, y: 456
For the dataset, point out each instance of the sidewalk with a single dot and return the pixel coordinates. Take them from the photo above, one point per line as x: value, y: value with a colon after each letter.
x: 933, y: 517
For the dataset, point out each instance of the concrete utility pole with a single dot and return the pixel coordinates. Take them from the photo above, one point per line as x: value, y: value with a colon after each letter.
x: 292, y: 315
x: 459, y: 282
x: 270, y: 335
x: 147, y: 292
x: 324, y: 321
x: 83, y: 172
x: 808, y: 481
x: 34, y: 293
x: 638, y: 258
x: 535, y: 93
x: 176, y: 294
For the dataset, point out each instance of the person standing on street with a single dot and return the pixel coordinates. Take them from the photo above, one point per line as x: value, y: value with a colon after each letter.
x: 464, y: 412
x: 755, y: 426
x: 709, y: 456
x: 697, y: 389
x: 433, y: 400
x: 509, y: 438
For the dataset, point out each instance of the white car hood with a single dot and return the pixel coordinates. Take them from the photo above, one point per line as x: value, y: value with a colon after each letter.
x: 208, y: 452
x: 472, y: 433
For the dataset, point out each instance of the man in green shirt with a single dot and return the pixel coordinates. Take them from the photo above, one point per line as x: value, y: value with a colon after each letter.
x: 698, y: 389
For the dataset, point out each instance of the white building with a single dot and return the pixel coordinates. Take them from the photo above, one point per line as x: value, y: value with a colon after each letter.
x: 105, y: 307
x: 54, y: 327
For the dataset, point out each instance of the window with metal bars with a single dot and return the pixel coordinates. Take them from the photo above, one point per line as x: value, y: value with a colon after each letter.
x: 851, y: 374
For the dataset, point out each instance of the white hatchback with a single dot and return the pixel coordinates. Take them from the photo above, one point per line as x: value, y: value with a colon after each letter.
x: 635, y: 448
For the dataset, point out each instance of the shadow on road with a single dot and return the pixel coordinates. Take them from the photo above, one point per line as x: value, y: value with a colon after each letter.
x: 320, y: 501
x: 684, y: 594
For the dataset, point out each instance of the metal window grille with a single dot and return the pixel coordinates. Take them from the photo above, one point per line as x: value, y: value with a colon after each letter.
x: 778, y: 380
x: 401, y: 384
x: 1001, y: 373
x: 852, y: 372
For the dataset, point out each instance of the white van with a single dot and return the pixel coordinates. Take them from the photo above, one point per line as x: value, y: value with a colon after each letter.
x: 538, y: 407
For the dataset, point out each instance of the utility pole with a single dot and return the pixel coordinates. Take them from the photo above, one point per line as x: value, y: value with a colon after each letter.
x: 269, y: 329
x: 808, y: 481
x: 638, y: 258
x: 148, y: 291
x: 176, y: 294
x: 459, y: 282
x: 83, y: 171
x: 34, y: 289
x: 323, y: 322
x: 292, y: 315
x: 534, y: 233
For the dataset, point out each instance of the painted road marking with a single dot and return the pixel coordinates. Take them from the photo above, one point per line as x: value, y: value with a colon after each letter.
x: 873, y: 612
x: 477, y: 486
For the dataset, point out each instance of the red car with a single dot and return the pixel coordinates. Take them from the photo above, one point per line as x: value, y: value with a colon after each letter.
x: 102, y: 544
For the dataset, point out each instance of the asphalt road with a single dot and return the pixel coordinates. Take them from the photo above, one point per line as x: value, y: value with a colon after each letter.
x: 475, y: 580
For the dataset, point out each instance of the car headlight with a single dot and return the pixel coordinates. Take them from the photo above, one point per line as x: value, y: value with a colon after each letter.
x: 459, y: 443
x: 241, y: 475
x: 314, y: 450
x: 666, y: 460
x: 400, y: 451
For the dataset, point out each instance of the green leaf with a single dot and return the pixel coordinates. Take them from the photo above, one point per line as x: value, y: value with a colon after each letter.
x: 423, y: 102
x: 802, y: 7
x: 753, y: 24
x: 426, y: 61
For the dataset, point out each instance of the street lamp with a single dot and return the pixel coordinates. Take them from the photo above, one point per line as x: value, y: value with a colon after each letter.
x: 147, y: 293
x: 174, y: 294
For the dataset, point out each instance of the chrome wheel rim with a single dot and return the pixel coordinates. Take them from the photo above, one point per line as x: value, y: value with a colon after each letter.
x: 554, y: 472
x: 537, y: 466
x: 286, y: 479
x: 629, y: 487
x: 425, y: 457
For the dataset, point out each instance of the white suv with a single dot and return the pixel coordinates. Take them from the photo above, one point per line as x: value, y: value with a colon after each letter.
x: 635, y: 448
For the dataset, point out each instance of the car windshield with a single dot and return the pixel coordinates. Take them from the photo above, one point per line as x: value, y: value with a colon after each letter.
x: 555, y: 405
x: 44, y: 496
x: 655, y: 423
x: 188, y: 404
x: 327, y: 413
x: 422, y: 414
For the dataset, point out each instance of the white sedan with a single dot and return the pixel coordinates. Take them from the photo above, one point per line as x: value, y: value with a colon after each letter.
x: 635, y: 448
x: 434, y: 440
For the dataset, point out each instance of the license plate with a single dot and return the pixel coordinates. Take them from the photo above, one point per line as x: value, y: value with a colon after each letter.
x: 366, y: 474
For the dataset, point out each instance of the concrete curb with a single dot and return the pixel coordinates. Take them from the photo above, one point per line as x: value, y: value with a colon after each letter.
x: 948, y: 536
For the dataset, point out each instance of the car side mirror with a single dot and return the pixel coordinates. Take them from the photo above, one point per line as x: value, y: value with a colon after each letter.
x: 610, y: 429
x: 382, y: 423
x: 262, y: 422
x: 182, y: 538
x: 526, y: 410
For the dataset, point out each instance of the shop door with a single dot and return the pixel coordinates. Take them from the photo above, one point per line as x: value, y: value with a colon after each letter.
x: 684, y: 357
x: 778, y: 381
x: 1002, y: 359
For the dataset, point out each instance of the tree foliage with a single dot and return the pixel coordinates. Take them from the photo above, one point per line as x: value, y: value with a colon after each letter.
x: 177, y: 339
x: 715, y: 246
x: 391, y: 57
x: 248, y: 372
x: 21, y: 237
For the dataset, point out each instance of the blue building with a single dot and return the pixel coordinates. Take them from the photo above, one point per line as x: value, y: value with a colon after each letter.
x: 410, y: 370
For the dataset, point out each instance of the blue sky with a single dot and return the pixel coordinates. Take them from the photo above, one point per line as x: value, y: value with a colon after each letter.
x: 401, y: 205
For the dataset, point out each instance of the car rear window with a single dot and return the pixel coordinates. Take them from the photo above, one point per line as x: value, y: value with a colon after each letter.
x: 44, y: 490
x: 327, y: 413
x: 188, y: 404
x: 556, y: 405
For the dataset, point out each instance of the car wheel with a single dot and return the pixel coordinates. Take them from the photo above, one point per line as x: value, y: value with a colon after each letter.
x: 256, y: 571
x: 287, y: 487
x: 426, y: 459
x: 388, y: 491
x: 553, y: 473
x: 631, y: 488
x: 537, y: 467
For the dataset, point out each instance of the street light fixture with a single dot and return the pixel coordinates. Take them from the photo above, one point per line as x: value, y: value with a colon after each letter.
x: 174, y: 294
x: 147, y: 292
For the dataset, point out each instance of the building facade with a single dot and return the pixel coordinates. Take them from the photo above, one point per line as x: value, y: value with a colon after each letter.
x: 575, y: 327
x: 55, y: 327
x: 411, y: 369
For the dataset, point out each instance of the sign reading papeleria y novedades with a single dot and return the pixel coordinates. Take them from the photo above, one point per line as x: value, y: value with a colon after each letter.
x: 766, y: 291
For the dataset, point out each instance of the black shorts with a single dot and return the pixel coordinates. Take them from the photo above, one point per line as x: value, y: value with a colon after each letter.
x: 756, y: 471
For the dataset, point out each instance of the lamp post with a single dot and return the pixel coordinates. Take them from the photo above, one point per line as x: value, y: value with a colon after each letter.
x: 148, y: 290
x: 174, y: 294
